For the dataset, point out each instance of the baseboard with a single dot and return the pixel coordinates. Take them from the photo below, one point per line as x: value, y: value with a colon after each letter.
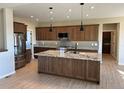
x: 7, y: 75
x: 121, y: 64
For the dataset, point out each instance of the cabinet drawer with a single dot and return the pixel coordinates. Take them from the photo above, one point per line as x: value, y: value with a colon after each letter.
x: 20, y: 63
x: 20, y: 57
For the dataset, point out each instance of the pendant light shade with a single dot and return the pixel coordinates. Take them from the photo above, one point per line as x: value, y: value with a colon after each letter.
x: 51, y: 28
x: 81, y: 26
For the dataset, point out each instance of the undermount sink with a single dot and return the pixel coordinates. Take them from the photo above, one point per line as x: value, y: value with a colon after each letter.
x: 74, y: 52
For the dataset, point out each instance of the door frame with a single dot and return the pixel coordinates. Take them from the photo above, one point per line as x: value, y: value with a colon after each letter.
x: 102, y: 42
x: 31, y: 32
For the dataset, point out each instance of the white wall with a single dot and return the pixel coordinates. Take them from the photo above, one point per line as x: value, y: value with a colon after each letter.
x: 7, y: 63
x: 119, y: 20
x: 30, y: 27
x: 1, y: 30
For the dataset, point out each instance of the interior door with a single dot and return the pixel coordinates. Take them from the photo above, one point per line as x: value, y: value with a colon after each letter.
x: 106, y: 46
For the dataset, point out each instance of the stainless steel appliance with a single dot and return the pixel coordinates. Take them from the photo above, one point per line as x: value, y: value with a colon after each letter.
x: 19, y: 49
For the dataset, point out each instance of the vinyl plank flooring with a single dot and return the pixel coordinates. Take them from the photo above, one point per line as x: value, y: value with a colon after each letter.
x: 111, y: 77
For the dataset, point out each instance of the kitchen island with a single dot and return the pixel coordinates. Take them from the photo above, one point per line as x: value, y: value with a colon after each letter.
x: 82, y: 65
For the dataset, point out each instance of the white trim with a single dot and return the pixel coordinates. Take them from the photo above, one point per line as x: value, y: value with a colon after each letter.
x: 7, y: 75
x: 121, y: 64
x: 109, y: 30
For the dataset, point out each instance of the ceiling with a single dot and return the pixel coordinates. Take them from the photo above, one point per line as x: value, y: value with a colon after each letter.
x: 10, y: 5
x: 40, y: 11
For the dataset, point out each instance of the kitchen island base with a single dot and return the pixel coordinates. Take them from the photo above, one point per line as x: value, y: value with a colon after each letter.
x: 88, y: 70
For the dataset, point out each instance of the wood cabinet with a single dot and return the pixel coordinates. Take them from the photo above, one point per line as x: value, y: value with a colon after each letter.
x: 75, y: 68
x: 79, y: 67
x: 28, y: 55
x: 20, y: 28
x: 43, y: 33
x: 90, y: 33
x: 67, y: 67
x: 93, y: 67
x: 87, y: 33
x: 94, y: 33
x: 20, y: 61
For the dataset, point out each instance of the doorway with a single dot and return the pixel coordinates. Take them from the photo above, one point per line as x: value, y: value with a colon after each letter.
x: 106, y: 46
x: 29, y: 40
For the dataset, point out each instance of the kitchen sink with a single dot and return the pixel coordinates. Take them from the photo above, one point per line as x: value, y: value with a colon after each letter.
x: 74, y: 52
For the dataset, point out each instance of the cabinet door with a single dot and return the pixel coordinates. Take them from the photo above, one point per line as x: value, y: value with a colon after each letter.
x: 41, y: 64
x: 51, y: 64
x: 87, y: 33
x: 37, y: 34
x: 41, y: 34
x: 45, y: 33
x: 94, y: 33
x: 57, y: 66
x: 91, y: 33
x: 79, y: 68
x: 76, y: 33
x: 69, y: 30
x: 53, y: 34
x: 93, y: 71
x: 19, y: 27
x: 28, y: 55
x: 67, y: 67
x: 57, y: 31
x: 82, y: 34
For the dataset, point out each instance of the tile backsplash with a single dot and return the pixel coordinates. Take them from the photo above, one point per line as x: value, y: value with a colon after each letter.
x: 90, y: 45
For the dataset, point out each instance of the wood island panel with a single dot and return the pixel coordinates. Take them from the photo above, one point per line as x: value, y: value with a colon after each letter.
x: 92, y: 68
x: 79, y: 68
x: 74, y: 68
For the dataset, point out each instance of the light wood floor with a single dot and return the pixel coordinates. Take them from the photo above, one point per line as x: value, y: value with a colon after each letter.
x: 112, y: 76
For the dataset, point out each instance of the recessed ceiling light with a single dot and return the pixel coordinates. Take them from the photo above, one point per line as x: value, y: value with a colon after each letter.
x: 31, y: 16
x: 51, y: 12
x: 68, y: 16
x: 37, y: 19
x: 69, y: 10
x: 87, y: 15
x: 92, y: 7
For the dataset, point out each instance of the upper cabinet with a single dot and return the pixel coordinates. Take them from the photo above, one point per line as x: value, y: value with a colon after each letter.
x: 90, y: 33
x: 43, y: 33
x: 20, y: 28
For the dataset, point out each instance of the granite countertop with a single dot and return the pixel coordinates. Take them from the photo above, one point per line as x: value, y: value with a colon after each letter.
x: 80, y: 55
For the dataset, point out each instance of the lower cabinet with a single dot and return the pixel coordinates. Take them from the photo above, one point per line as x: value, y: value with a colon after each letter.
x: 75, y: 68
x: 79, y: 68
x: 28, y: 55
x: 93, y: 71
x: 20, y: 61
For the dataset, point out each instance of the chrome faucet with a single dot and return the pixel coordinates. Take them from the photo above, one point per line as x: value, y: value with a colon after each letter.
x: 75, y: 51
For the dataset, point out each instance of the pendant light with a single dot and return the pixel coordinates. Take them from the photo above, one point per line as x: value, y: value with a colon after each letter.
x: 51, y: 27
x: 81, y: 26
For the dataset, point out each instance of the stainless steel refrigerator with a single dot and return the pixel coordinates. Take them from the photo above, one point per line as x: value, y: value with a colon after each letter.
x: 19, y: 49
